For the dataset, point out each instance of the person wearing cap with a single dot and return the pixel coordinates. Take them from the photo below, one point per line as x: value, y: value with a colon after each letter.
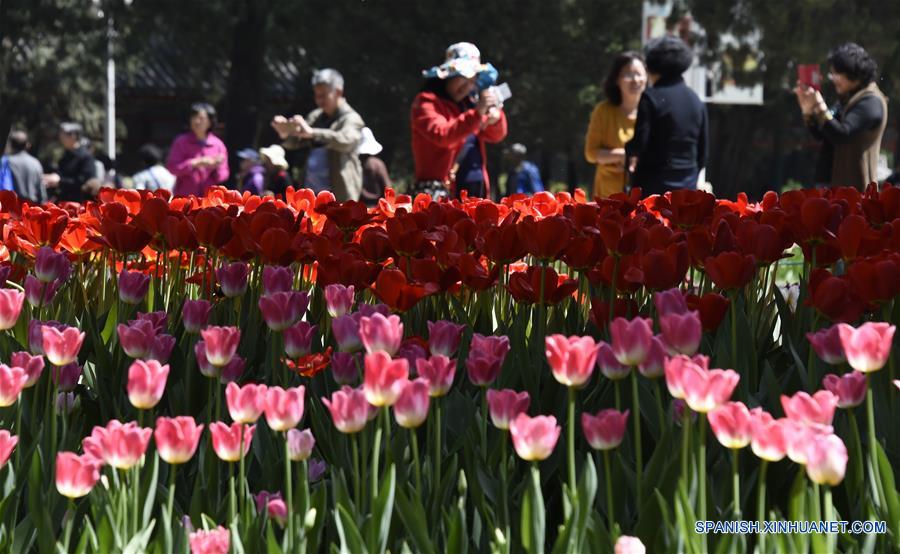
x: 25, y: 170
x: 276, y: 165
x: 251, y: 175
x: 76, y: 169
x: 450, y: 127
x: 198, y: 158
x: 329, y: 136
x: 154, y: 176
x: 669, y: 147
x: 524, y: 177
x: 375, y: 173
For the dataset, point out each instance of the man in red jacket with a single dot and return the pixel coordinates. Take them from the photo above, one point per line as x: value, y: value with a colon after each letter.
x: 452, y: 119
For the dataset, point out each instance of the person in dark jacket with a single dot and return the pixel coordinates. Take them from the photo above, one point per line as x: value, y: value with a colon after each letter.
x: 76, y: 170
x: 669, y: 146
x: 26, y: 170
x: 851, y: 130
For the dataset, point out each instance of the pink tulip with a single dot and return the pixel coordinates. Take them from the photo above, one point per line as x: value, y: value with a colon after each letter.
x: 11, y: 301
x: 345, y: 367
x: 233, y: 279
x: 631, y: 339
x: 40, y: 294
x: 284, y: 407
x: 444, y: 337
x: 177, y: 438
x: 36, y: 334
x: 61, y: 347
x: 827, y: 344
x: 769, y: 439
x: 411, y: 350
x: 221, y: 344
x: 214, y: 541
x: 675, y: 368
x: 384, y: 378
x: 32, y: 365
x: 505, y: 405
x: 826, y: 460
x: 571, y: 359
x: 439, y: 371
x: 349, y: 409
x: 12, y: 381
x: 272, y: 505
x: 816, y: 409
x: 534, y: 438
x: 159, y: 320
x: 705, y: 390
x: 609, y: 365
x: 227, y: 439
x: 486, y: 357
x: 381, y: 334
x: 867, y: 347
x: 119, y: 445
x: 670, y: 301
x: 195, y: 315
x: 206, y: 368
x: 850, y: 388
x: 50, y: 265
x: 682, y: 332
x: 338, y: 299
x: 161, y: 349
x: 732, y: 424
x: 897, y: 383
x: 136, y: 338
x: 8, y: 443
x: 298, y: 339
x: 368, y: 310
x: 346, y: 333
x: 411, y: 407
x: 799, y: 437
x: 66, y: 377
x: 654, y: 365
x: 277, y: 279
x: 280, y: 310
x: 233, y: 371
x: 629, y: 545
x: 146, y: 383
x: 300, y: 444
x: 247, y: 403
x: 133, y: 286
x: 605, y: 430
x: 76, y: 475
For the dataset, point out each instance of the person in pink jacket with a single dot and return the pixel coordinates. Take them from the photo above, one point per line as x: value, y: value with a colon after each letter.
x: 198, y: 159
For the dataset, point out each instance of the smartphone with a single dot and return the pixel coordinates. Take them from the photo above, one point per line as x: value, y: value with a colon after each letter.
x: 503, y: 92
x: 810, y: 75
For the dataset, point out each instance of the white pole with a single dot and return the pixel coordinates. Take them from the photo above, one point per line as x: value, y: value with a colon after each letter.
x: 110, y: 91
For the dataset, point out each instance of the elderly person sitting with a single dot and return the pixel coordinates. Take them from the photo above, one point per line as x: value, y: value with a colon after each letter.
x: 330, y: 134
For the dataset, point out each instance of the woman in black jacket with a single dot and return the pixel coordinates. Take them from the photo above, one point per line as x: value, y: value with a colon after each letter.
x: 669, y: 147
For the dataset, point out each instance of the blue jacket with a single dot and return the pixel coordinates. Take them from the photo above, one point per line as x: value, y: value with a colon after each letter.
x: 525, y: 179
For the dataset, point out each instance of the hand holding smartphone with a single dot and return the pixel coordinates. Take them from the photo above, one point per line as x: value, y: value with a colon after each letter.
x: 808, y: 74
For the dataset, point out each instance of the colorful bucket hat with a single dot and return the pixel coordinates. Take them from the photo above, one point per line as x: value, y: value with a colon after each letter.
x: 464, y: 59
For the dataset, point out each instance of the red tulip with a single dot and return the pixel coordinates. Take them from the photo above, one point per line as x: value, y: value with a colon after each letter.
x: 233, y: 279
x: 682, y: 332
x: 826, y: 460
x: 732, y: 424
x: 195, y: 315
x: 298, y: 339
x: 411, y: 407
x: 120, y: 445
x: 227, y: 439
x: 76, y: 475
x: 338, y: 299
x: 220, y: 344
x: 534, y: 438
x: 300, y: 444
x: 349, y: 409
x: 284, y: 407
x: 12, y: 381
x: 850, y: 388
x: 444, y: 337
x: 384, y: 378
x: 33, y: 366
x: 867, y: 347
x: 609, y: 365
x: 505, y: 405
x: 392, y: 287
x: 133, y: 286
x: 381, y: 334
x: 214, y: 541
x: 61, y: 347
x: 605, y: 430
x: 8, y: 443
x: 631, y: 340
x: 486, y: 357
x: 571, y: 359
x: 277, y: 279
x: 136, y: 338
x: 146, y: 383
x: 439, y: 372
x: 177, y: 438
x: 769, y: 439
x: 247, y: 403
x: 827, y: 344
x: 11, y: 301
x: 730, y: 270
x: 817, y: 409
x: 712, y: 308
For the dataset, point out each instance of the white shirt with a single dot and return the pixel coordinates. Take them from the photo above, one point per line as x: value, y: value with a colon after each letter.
x: 154, y: 178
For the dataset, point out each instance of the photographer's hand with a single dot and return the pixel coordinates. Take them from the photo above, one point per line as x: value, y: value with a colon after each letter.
x: 486, y: 100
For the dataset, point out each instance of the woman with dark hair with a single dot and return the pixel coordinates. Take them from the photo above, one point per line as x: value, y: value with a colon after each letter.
x: 670, y: 135
x: 851, y: 130
x: 612, y: 122
x: 198, y: 158
x: 450, y: 127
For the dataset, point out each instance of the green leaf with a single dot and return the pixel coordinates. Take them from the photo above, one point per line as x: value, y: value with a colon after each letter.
x: 88, y: 541
x: 109, y: 328
x: 150, y: 495
x: 533, y: 513
x: 272, y: 546
x: 457, y: 538
x: 351, y: 540
x: 138, y: 543
x: 412, y: 514
x: 383, y: 512
x: 892, y: 501
x: 798, y: 507
x: 319, y: 501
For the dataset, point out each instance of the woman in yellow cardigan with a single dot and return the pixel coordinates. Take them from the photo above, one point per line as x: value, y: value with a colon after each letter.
x: 612, y: 123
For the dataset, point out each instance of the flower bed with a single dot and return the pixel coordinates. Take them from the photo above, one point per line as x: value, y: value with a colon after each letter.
x: 543, y: 374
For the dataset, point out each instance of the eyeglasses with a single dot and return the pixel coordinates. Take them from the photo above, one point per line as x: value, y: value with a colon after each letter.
x: 633, y: 76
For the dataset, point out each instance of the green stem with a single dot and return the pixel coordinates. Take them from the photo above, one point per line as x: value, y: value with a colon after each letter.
x: 571, y: 443
x: 241, y: 482
x: 870, y: 421
x: 171, y: 502
x: 829, y: 516
x: 685, y: 442
x: 289, y: 487
x: 232, y: 498
x: 734, y: 352
x: 69, y: 523
x: 416, y: 466
x: 761, y: 503
x: 484, y: 418
x: 736, y: 483
x: 137, y: 497
x: 610, y: 505
x: 504, y: 485
x: 438, y: 447
x: 639, y: 459
x: 357, y: 480
x: 373, y: 479
x: 386, y: 421
x: 657, y: 389
x: 618, y: 395
x: 702, y: 468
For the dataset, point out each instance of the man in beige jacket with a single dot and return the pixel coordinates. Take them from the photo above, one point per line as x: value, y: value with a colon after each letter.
x: 331, y: 135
